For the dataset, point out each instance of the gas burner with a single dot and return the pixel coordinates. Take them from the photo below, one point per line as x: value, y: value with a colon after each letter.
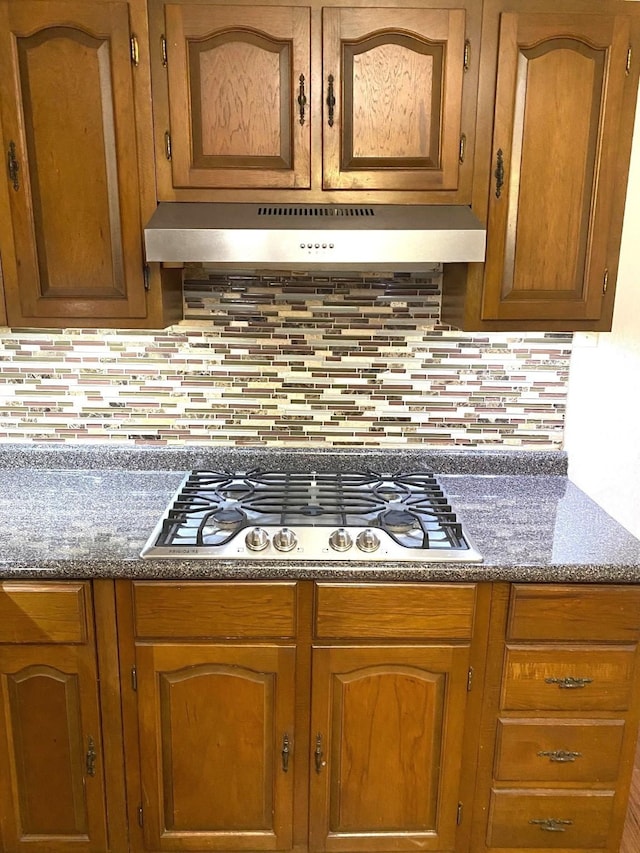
x: 236, y: 491
x: 391, y: 492
x: 277, y: 515
x: 398, y: 520
x: 227, y: 518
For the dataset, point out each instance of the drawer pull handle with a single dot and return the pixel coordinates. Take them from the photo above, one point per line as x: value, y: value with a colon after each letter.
x: 552, y: 824
x: 319, y: 754
x: 286, y: 751
x: 569, y: 683
x: 560, y: 755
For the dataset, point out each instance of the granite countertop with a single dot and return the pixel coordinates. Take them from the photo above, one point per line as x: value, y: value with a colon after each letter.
x: 83, y: 513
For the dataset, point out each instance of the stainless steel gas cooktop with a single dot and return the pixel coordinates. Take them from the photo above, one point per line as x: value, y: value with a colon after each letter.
x: 266, y: 515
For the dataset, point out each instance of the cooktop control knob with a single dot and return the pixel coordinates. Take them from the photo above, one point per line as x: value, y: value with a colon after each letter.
x: 285, y: 539
x: 368, y: 541
x: 340, y: 540
x: 256, y: 539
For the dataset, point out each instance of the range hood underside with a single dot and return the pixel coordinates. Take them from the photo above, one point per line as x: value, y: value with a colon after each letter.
x: 336, y: 237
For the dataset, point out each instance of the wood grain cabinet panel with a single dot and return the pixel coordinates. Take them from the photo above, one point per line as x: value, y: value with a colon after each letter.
x: 556, y: 678
x: 386, y: 724
x: 213, y: 722
x: 314, y: 99
x: 174, y: 610
x: 573, y: 613
x: 402, y: 611
x: 392, y: 98
x: 558, y: 106
x: 235, y: 74
x: 51, y: 767
x: 32, y: 612
x: 551, y: 169
x: 549, y: 820
x: 559, y: 750
x: 69, y: 130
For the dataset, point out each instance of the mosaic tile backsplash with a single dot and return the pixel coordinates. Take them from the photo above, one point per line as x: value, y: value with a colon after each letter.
x: 289, y: 360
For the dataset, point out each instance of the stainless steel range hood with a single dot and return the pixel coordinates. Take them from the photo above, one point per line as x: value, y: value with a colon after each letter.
x: 322, y: 236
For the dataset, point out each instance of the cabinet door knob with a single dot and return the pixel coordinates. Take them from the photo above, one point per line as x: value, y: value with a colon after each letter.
x: 331, y: 99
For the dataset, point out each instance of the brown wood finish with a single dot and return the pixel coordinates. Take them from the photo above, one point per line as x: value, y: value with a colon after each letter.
x: 111, y: 712
x: 36, y: 612
x: 518, y: 820
x: 549, y: 224
x: 50, y: 723
x: 558, y: 751
x: 590, y: 613
x: 387, y: 724
x: 212, y: 725
x: 398, y: 79
x: 527, y: 670
x: 76, y: 209
x: 404, y: 611
x: 174, y: 610
x: 591, y: 790
x: 234, y: 76
x: 392, y: 163
x: 501, y: 295
x: 79, y: 115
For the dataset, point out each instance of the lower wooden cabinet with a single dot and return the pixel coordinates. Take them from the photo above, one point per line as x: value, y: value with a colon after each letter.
x: 316, y: 717
x: 561, y: 727
x: 325, y: 733
x: 387, y: 724
x: 216, y: 729
x: 52, y: 797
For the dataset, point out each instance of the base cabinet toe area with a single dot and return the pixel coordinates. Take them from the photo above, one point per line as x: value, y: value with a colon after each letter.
x: 316, y: 716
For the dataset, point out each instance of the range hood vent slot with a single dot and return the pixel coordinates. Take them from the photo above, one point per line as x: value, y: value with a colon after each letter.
x: 344, y: 210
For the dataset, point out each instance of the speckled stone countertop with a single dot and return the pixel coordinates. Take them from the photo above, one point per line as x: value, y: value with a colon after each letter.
x: 83, y: 513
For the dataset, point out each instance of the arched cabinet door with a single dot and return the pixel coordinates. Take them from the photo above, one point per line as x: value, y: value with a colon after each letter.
x: 51, y: 770
x: 70, y: 151
x: 214, y: 722
x: 392, y: 98
x: 239, y: 90
x: 552, y: 246
x: 387, y: 725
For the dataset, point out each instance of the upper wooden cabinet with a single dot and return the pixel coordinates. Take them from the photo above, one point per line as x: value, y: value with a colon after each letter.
x: 564, y: 104
x: 313, y: 99
x: 72, y: 251
x: 392, y: 98
x: 235, y: 74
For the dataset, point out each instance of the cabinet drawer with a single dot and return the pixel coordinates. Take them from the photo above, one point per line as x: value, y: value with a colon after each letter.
x: 558, y: 751
x: 557, y: 678
x: 547, y: 819
x: 202, y: 610
x: 43, y: 612
x: 402, y: 611
x: 565, y: 613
